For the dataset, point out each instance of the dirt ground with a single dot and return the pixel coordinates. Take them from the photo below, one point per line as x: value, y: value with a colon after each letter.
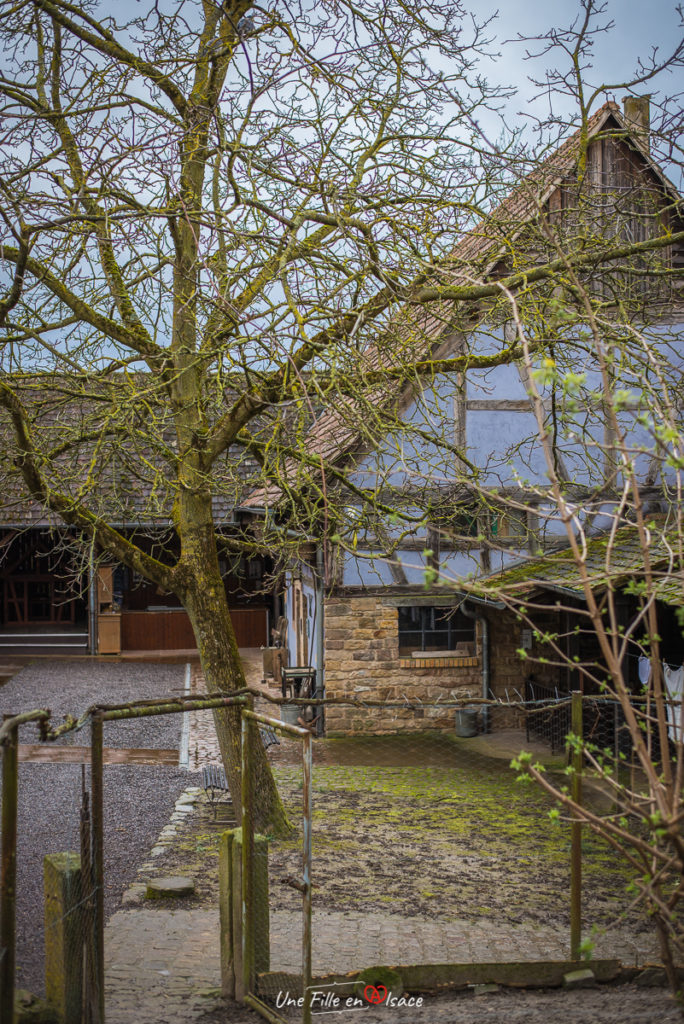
x: 438, y: 838
x: 434, y: 833
x: 436, y: 842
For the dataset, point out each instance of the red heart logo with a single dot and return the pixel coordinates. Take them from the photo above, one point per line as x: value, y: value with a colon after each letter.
x: 375, y: 994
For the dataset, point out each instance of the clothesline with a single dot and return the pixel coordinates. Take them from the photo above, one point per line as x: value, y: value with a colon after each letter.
x: 640, y: 657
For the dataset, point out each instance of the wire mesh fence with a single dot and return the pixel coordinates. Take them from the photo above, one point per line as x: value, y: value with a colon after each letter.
x: 427, y: 848
x: 408, y: 840
x: 277, y: 941
x: 47, y: 889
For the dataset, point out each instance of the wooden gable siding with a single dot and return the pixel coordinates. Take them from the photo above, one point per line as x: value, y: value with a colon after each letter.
x: 621, y: 199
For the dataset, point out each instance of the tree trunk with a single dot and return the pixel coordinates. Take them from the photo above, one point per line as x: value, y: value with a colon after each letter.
x: 666, y: 952
x: 207, y: 607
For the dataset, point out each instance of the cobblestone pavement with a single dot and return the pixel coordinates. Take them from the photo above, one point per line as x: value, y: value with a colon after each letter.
x: 202, y: 743
x: 347, y: 942
x: 163, y: 965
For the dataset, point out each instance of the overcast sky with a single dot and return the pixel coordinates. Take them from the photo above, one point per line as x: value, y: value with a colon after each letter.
x: 639, y: 26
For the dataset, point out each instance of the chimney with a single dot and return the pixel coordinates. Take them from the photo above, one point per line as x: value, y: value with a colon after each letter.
x: 637, y: 114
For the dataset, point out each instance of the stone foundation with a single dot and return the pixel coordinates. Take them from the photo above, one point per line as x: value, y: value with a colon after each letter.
x: 362, y: 662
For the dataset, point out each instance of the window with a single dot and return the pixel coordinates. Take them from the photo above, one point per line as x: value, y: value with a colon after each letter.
x: 509, y: 524
x: 454, y: 523
x: 435, y: 629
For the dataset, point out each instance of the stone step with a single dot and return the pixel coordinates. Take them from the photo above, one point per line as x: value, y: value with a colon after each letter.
x: 43, y: 639
x: 171, y: 887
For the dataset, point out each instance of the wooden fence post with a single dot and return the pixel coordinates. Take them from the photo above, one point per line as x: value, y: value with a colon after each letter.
x: 64, y: 935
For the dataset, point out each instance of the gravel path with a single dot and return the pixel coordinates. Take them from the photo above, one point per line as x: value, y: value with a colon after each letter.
x: 70, y: 687
x: 138, y: 799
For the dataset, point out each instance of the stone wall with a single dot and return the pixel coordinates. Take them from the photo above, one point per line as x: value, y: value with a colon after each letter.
x: 508, y: 670
x: 362, y: 662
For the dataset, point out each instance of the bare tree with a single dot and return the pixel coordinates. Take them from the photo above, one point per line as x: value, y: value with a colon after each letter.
x: 204, y: 210
x: 219, y: 217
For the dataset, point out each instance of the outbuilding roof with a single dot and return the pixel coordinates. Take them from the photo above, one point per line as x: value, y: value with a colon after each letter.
x: 610, y: 560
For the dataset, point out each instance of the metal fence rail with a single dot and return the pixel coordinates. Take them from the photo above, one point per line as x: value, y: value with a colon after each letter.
x: 404, y: 805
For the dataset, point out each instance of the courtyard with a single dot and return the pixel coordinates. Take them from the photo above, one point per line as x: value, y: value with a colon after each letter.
x: 426, y: 850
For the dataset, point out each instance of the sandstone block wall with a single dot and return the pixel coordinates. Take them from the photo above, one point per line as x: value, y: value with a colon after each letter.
x: 362, y: 662
x: 508, y: 670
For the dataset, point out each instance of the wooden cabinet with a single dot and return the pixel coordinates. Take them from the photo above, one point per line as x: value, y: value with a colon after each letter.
x: 109, y: 633
x: 105, y: 586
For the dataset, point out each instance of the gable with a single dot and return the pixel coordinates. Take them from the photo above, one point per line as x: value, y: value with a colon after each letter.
x: 622, y: 196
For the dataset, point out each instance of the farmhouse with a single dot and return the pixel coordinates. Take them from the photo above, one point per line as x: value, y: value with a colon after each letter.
x: 387, y: 607
x: 385, y: 604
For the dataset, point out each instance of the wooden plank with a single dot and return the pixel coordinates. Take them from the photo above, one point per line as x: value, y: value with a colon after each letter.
x: 595, y: 162
x: 555, y: 206
x: 141, y: 631
x: 41, y: 753
x: 250, y: 625
x: 178, y: 631
x: 172, y: 630
x: 499, y: 404
x: 105, y: 585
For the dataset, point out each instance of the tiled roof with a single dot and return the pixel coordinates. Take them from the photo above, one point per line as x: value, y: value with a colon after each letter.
x: 335, y: 433
x: 615, y: 563
x: 127, y: 482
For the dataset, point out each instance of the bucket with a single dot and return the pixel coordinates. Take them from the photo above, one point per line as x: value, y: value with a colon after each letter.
x: 466, y: 722
x: 289, y: 713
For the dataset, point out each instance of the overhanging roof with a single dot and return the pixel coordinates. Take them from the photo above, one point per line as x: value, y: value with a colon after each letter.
x: 610, y: 562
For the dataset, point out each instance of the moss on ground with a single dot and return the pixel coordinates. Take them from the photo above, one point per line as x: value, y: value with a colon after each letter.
x: 435, y: 830
x: 448, y: 841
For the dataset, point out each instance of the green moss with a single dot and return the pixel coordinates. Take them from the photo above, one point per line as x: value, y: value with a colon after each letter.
x: 436, y: 836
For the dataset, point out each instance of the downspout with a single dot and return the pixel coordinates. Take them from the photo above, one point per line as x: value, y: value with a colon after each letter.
x: 320, y: 646
x: 92, y: 605
x: 484, y: 640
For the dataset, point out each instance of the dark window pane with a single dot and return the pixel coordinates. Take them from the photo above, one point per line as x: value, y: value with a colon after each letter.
x: 433, y: 629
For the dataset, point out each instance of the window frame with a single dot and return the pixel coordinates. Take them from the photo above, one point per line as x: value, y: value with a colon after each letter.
x: 458, y: 629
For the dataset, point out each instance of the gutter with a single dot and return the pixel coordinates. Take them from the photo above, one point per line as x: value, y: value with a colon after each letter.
x: 265, y: 512
x: 320, y: 647
x: 485, y: 602
x: 556, y: 588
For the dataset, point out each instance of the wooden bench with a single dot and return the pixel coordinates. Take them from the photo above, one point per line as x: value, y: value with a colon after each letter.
x: 214, y: 781
x: 215, y: 785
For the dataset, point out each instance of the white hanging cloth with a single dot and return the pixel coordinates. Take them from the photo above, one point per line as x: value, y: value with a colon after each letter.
x: 644, y: 670
x: 674, y: 682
